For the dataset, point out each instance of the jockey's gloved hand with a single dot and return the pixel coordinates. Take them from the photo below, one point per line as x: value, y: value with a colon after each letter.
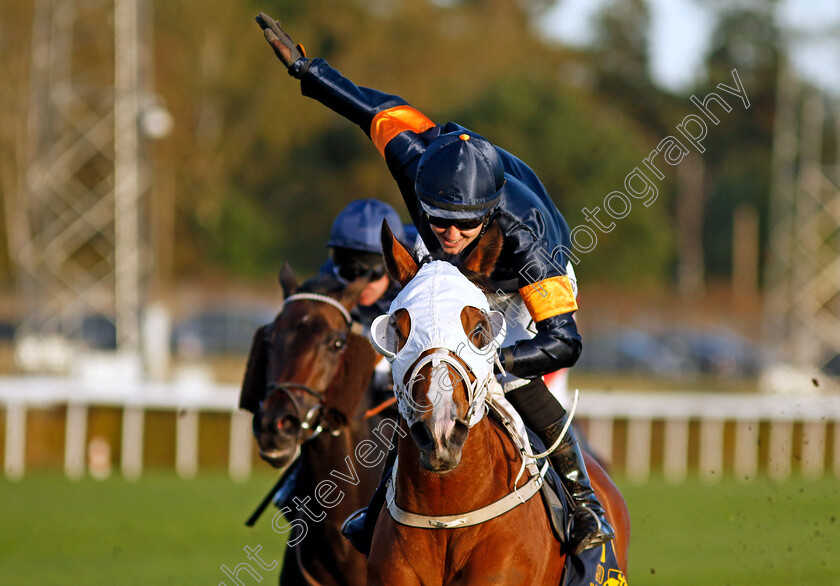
x: 293, y: 56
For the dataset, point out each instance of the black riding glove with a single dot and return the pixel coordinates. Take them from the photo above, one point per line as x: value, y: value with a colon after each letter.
x: 293, y: 56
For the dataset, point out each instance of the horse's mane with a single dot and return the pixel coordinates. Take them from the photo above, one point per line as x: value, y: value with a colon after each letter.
x: 479, y: 280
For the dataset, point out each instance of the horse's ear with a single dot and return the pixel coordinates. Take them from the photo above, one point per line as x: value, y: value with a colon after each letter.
x: 482, y: 259
x: 350, y: 296
x: 398, y: 260
x: 288, y: 280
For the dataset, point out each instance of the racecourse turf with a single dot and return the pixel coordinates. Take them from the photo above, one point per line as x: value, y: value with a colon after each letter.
x: 163, y: 530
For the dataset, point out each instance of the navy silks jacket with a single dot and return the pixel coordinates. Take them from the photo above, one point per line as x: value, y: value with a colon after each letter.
x: 536, y: 246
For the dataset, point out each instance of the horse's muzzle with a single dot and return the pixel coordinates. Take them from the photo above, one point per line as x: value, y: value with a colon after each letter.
x: 439, y: 455
x: 277, y: 438
x: 279, y: 458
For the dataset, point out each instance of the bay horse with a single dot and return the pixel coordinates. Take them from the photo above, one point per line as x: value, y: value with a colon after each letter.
x: 443, y: 521
x: 306, y: 383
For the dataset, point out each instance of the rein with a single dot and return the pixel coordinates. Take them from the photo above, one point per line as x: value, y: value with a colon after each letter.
x: 379, y: 408
x: 476, y: 393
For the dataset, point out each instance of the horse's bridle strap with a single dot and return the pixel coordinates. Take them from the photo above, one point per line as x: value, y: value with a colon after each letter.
x: 313, y: 416
x: 476, y: 517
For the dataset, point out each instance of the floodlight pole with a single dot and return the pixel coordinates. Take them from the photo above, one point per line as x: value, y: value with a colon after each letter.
x: 126, y: 176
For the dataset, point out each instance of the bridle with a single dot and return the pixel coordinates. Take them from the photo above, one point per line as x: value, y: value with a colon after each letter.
x: 316, y: 420
x: 435, y: 299
x: 476, y: 389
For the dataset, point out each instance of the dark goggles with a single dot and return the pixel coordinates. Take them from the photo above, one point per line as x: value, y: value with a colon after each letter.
x: 356, y: 270
x: 468, y: 224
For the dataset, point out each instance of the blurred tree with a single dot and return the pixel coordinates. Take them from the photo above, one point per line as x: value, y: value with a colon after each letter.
x: 253, y: 173
x: 621, y: 57
x: 15, y: 40
x: 736, y: 165
x: 582, y: 149
x: 738, y: 157
x: 244, y: 129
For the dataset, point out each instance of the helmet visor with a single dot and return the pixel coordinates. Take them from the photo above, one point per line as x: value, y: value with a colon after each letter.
x: 454, y: 213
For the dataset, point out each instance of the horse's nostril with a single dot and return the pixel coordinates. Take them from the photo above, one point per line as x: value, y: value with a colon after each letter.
x: 421, y: 436
x: 459, y: 435
x: 288, y: 425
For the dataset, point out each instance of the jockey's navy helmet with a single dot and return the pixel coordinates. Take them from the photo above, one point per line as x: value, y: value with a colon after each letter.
x: 459, y: 177
x: 358, y: 226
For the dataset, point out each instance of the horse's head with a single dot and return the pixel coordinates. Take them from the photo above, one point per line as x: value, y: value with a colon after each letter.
x: 441, y: 339
x: 293, y: 364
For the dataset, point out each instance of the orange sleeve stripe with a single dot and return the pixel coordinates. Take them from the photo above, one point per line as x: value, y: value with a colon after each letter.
x: 549, y: 297
x: 389, y: 123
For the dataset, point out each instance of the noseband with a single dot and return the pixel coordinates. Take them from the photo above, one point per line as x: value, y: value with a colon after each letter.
x: 315, y: 420
x: 476, y: 389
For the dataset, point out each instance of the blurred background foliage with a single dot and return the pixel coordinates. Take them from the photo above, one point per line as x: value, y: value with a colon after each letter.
x: 253, y: 173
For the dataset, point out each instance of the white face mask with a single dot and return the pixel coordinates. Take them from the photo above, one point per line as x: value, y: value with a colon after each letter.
x: 434, y: 299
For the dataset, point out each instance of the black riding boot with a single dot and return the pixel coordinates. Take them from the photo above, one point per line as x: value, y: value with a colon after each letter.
x: 589, y: 525
x: 543, y: 414
x: 358, y: 527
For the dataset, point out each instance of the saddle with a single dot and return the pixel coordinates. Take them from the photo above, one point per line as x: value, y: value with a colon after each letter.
x: 598, y: 565
x: 553, y: 495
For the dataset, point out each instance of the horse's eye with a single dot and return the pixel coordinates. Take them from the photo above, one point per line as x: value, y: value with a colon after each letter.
x: 338, y: 344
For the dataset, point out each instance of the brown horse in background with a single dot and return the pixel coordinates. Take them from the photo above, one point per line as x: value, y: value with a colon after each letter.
x: 306, y: 383
x: 449, y: 470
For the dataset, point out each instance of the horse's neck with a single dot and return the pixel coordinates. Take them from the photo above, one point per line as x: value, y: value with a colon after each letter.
x: 489, y: 465
x: 332, y: 458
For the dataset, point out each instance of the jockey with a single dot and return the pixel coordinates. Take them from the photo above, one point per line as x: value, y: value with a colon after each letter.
x: 355, y: 250
x: 455, y: 183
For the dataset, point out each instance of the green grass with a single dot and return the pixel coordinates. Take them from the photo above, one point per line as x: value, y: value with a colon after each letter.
x: 162, y: 530
x: 735, y: 534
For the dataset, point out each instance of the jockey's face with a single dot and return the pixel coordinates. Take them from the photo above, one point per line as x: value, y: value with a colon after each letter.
x: 374, y: 291
x: 454, y: 238
x: 351, y: 265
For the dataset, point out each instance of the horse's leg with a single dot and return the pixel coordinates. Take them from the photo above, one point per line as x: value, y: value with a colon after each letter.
x: 615, y: 507
x: 389, y: 562
x: 290, y: 574
x: 517, y: 548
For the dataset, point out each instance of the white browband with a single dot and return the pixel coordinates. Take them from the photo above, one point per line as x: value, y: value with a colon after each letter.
x: 322, y: 299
